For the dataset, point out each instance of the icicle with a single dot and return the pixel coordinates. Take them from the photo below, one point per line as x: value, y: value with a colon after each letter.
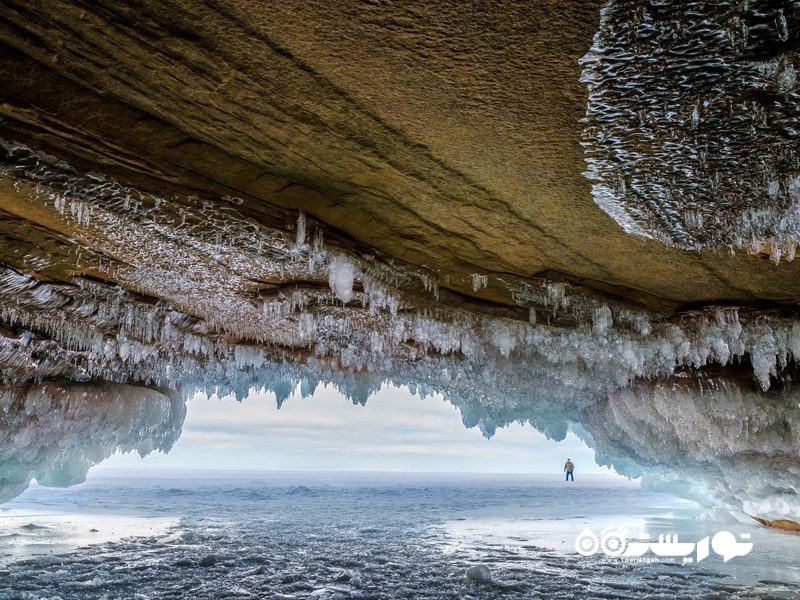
x: 300, y: 240
x: 341, y: 276
x: 695, y: 117
x: 775, y: 252
x: 602, y: 320
x: 789, y: 251
x: 782, y: 26
x: 556, y: 294
x: 478, y: 281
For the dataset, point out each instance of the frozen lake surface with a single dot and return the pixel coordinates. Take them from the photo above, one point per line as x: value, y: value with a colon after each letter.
x: 157, y: 534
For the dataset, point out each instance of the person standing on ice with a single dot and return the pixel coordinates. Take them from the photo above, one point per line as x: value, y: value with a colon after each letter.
x: 569, y: 467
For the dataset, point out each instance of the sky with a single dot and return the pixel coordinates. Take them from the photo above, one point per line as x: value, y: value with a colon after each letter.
x: 395, y: 431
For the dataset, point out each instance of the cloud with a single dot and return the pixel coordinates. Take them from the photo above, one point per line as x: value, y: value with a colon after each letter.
x: 396, y: 430
x: 217, y: 440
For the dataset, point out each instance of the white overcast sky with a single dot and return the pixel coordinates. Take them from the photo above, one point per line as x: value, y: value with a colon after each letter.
x: 395, y: 431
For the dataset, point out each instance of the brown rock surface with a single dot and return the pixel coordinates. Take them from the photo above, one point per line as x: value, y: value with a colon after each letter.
x: 444, y: 135
x: 785, y: 524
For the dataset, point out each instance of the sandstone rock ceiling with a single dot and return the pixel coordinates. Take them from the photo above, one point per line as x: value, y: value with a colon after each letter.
x: 443, y: 135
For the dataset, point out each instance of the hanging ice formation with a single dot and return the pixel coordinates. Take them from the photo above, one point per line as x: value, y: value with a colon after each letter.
x: 224, y: 303
x: 55, y: 431
x: 691, y: 129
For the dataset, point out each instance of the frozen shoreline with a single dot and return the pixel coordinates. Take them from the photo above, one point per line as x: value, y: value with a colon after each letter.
x: 432, y: 526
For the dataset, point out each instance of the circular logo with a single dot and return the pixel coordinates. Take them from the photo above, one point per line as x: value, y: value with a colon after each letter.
x: 612, y: 542
x: 586, y: 543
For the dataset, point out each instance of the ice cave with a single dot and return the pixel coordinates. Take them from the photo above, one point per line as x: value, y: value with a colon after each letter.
x: 586, y: 221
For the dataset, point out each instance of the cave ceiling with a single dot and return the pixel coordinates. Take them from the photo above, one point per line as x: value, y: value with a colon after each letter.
x: 442, y: 136
x: 578, y: 215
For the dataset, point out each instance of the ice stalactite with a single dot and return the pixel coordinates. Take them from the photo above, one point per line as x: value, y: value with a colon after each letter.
x: 478, y: 281
x: 300, y: 240
x: 55, y: 431
x: 341, y: 276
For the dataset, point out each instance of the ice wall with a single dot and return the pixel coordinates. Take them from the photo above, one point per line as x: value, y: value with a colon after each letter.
x: 691, y: 131
x: 55, y: 431
x: 741, y: 445
x: 195, y: 293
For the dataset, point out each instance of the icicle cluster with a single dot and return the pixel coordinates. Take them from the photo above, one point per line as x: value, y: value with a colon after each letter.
x: 54, y: 432
x: 736, y: 445
x: 691, y: 132
x: 239, y: 298
x: 207, y: 299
